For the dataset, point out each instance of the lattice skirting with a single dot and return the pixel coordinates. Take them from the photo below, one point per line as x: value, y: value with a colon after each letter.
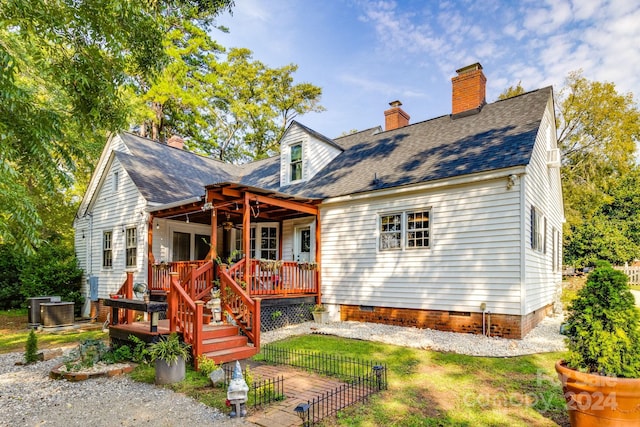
x: 279, y: 313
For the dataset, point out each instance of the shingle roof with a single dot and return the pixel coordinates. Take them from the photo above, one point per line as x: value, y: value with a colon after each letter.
x: 164, y: 174
x: 501, y: 135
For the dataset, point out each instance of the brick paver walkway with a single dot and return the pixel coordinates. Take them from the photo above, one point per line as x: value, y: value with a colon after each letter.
x: 299, y: 387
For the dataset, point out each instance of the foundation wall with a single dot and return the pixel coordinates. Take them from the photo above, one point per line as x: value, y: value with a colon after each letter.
x: 500, y: 325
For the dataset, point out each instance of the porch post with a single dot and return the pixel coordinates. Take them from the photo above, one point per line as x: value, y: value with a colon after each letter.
x: 318, y: 259
x: 246, y: 233
x: 213, y: 252
x: 128, y: 293
x: 150, y: 258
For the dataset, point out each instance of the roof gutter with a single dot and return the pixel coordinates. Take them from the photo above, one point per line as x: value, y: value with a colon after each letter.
x: 448, y: 182
x: 194, y: 199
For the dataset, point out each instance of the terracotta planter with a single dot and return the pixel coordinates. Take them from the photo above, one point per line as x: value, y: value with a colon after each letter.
x: 170, y: 373
x: 594, y: 400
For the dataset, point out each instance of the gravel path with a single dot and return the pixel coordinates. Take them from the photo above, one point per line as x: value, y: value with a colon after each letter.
x: 29, y: 398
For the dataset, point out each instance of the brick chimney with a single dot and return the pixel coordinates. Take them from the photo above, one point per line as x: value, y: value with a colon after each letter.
x: 176, y: 142
x: 395, y: 117
x: 469, y: 89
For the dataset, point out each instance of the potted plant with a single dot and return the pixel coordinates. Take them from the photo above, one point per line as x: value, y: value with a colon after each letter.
x: 170, y: 356
x: 320, y: 313
x: 601, y: 374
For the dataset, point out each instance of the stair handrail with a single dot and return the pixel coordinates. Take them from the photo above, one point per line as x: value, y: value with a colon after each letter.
x: 199, y: 274
x: 185, y: 315
x: 237, y: 303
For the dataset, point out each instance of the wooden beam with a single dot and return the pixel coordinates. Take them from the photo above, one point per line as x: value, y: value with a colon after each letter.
x: 213, y: 251
x: 246, y: 233
x: 230, y: 192
x: 294, y: 206
x: 150, y: 259
x: 318, y: 261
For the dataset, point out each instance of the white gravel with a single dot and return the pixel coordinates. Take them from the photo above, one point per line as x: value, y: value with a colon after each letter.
x: 29, y: 398
x: 544, y: 338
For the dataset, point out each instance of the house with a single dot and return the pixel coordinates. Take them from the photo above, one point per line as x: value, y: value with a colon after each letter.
x: 453, y: 223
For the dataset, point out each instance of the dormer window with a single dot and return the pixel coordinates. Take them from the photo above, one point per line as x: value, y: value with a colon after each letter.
x: 296, y: 162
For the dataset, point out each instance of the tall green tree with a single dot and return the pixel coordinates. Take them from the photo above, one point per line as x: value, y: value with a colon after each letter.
x: 598, y: 132
x: 63, y: 66
x: 512, y: 91
x: 225, y: 103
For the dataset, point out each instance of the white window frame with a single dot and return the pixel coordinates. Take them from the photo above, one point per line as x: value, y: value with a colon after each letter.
x: 403, y: 230
x: 107, y: 248
x: 131, y: 246
x: 386, y: 237
x: 293, y: 163
x: 255, y: 239
x: 538, y: 230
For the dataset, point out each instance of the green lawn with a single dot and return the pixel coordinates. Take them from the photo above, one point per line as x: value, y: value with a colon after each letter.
x: 429, y: 388
x: 426, y: 388
x: 14, y: 332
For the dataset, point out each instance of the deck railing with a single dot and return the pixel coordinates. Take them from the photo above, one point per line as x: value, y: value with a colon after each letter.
x: 160, y: 273
x: 283, y: 278
x: 237, y: 303
x: 185, y: 315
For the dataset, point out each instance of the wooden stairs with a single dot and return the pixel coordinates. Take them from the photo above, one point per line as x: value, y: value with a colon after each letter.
x: 223, y: 343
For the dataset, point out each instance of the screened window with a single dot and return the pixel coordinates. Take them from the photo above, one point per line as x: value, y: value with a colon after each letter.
x: 296, y: 162
x: 131, y: 246
x: 418, y: 229
x: 390, y: 231
x: 107, y: 251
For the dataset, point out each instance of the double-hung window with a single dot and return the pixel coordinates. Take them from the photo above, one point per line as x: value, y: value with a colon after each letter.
x: 107, y: 252
x: 391, y: 231
x: 418, y: 229
x: 538, y: 230
x: 405, y: 230
x: 131, y: 246
x: 296, y: 162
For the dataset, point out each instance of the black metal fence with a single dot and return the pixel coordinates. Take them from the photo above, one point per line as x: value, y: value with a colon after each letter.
x: 362, y: 378
x: 260, y: 392
x: 344, y: 368
x: 330, y: 402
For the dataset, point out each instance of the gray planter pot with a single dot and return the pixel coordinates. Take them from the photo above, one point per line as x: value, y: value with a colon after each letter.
x: 168, y: 374
x: 320, y: 316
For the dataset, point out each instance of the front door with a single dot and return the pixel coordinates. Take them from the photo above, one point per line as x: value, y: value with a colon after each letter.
x: 302, y: 250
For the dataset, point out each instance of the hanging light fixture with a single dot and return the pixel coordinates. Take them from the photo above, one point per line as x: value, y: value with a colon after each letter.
x: 187, y: 218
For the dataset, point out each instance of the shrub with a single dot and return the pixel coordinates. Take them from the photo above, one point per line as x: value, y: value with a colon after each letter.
x: 52, y: 270
x: 31, y: 350
x: 603, y: 327
x: 206, y: 365
x: 169, y: 349
x: 10, y: 267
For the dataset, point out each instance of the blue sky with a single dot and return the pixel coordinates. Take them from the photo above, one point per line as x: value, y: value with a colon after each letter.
x: 365, y: 54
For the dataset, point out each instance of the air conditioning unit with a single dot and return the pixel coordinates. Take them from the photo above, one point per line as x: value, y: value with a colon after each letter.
x: 56, y: 313
x: 553, y: 158
x: 33, y: 307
